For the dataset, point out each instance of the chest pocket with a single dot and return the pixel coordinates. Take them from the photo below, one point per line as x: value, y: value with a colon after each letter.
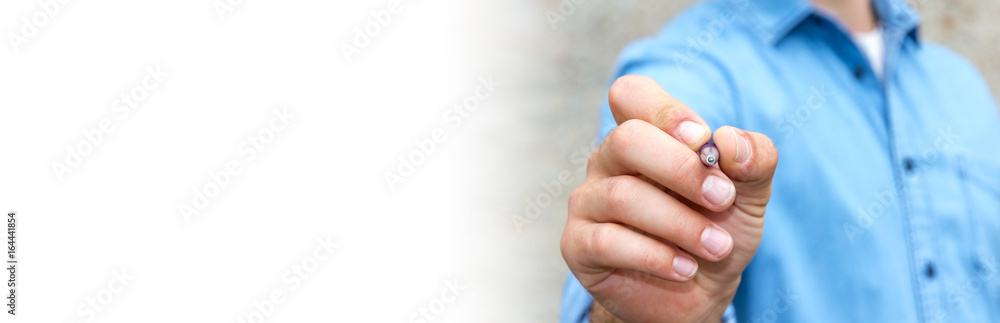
x: 980, y: 184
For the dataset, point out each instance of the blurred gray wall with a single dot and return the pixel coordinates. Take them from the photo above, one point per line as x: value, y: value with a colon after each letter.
x: 561, y: 78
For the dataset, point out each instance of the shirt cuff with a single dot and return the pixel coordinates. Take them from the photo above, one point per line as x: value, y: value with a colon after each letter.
x: 576, y: 302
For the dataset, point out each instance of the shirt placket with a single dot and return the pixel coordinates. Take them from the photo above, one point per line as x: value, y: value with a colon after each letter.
x: 916, y: 215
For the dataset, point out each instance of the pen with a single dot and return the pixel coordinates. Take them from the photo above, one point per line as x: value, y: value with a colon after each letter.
x: 709, y: 154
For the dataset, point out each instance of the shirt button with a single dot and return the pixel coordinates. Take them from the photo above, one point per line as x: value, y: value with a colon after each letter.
x: 930, y: 270
x: 908, y: 164
x: 858, y: 72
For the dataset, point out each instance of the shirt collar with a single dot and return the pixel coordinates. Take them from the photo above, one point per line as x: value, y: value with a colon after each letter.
x: 775, y: 19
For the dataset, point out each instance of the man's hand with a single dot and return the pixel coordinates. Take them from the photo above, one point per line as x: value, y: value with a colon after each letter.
x: 655, y: 235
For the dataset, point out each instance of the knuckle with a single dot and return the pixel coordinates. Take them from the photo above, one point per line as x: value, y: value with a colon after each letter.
x: 630, y: 128
x: 566, y: 244
x: 598, y: 242
x: 688, y: 229
x: 619, y: 140
x: 620, y: 194
x: 576, y: 199
x: 655, y: 261
x: 594, y: 160
x: 667, y: 113
x: 623, y: 86
x: 682, y: 171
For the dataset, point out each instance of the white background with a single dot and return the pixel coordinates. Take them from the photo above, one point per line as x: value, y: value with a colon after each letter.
x: 322, y: 176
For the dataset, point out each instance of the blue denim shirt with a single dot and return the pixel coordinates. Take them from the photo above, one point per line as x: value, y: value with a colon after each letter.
x: 886, y: 199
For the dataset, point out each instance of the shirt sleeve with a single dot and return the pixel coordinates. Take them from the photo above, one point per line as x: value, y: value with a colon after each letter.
x: 701, y: 82
x: 576, y: 301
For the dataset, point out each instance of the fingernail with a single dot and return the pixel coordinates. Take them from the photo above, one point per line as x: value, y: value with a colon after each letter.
x: 690, y: 131
x: 715, y: 241
x: 717, y: 190
x: 743, y: 149
x: 684, y: 266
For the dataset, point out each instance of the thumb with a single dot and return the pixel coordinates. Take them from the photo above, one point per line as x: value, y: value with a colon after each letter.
x: 749, y: 160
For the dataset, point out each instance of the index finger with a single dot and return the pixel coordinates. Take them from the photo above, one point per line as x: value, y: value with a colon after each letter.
x: 640, y: 97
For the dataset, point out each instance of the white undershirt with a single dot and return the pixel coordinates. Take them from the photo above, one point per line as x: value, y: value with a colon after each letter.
x: 873, y: 46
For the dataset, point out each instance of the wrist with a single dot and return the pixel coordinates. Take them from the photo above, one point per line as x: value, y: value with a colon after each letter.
x: 712, y: 309
x: 600, y: 315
